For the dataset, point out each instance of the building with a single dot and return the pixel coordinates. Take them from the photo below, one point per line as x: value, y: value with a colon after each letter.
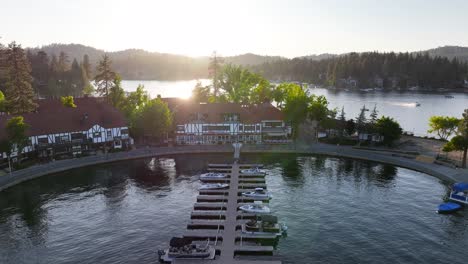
x: 56, y: 130
x: 221, y: 123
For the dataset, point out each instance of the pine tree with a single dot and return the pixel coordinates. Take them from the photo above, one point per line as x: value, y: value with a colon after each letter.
x: 75, y: 79
x: 63, y: 62
x: 361, y: 119
x: 342, y: 125
x: 215, y: 72
x: 19, y: 92
x: 104, y: 77
x: 86, y: 65
x: 374, y: 115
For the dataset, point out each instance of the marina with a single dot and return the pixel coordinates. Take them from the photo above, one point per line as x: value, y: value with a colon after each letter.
x: 228, y: 219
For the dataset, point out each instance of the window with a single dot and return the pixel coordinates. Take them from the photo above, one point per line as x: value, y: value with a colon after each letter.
x: 76, y: 136
x: 231, y: 117
x: 216, y: 128
x: 273, y: 124
x: 96, y: 134
x: 109, y: 133
x: 249, y: 128
x: 42, y: 140
x: 180, y: 128
x: 124, y: 132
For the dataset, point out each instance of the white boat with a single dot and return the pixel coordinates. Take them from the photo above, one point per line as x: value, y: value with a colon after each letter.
x: 256, y: 208
x: 264, y: 225
x: 254, y: 171
x: 257, y: 193
x: 213, y: 186
x: 459, y: 192
x: 182, y: 248
x: 212, y: 175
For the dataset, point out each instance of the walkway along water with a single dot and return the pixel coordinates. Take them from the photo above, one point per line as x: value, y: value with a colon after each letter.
x: 442, y: 172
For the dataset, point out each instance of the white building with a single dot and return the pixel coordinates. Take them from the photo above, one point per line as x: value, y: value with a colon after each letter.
x: 58, y: 130
x: 220, y: 123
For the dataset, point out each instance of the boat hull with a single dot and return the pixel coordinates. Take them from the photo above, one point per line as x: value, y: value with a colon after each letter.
x: 168, y: 258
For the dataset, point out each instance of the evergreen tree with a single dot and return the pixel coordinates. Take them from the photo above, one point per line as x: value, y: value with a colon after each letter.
x: 117, y: 93
x: 63, y: 62
x: 342, y: 119
x: 361, y: 120
x: 374, y: 115
x: 86, y: 65
x: 76, y: 84
x: 19, y: 92
x: 215, y: 69
x: 104, y: 77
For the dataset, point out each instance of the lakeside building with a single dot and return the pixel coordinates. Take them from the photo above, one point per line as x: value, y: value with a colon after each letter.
x: 55, y: 130
x: 223, y: 123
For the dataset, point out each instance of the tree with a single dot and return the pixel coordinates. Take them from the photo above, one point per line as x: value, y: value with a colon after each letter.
x: 134, y: 102
x: 154, y: 120
x: 68, y: 101
x: 117, y: 93
x: 19, y: 92
x: 361, y: 120
x: 458, y: 143
x: 2, y: 102
x: 16, y: 130
x: 238, y: 83
x: 342, y: 120
x: 86, y: 65
x: 280, y: 93
x: 104, y: 77
x: 200, y: 93
x: 214, y: 69
x: 389, y: 129
x: 296, y: 107
x: 443, y: 126
x: 262, y: 93
x: 350, y: 127
x: 75, y: 82
x: 373, y: 116
x: 63, y: 62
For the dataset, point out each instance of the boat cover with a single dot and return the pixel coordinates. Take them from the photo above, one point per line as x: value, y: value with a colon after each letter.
x: 180, y: 241
x: 460, y: 187
x: 448, y: 207
x: 270, y: 219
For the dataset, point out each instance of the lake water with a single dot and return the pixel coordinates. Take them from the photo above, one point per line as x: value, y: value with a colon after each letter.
x: 337, y: 211
x: 396, y: 104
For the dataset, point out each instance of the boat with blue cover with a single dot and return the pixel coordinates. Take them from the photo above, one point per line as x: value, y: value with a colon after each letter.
x: 459, y: 192
x: 449, y: 207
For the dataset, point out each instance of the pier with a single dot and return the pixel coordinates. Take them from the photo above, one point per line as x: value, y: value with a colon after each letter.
x: 216, y: 217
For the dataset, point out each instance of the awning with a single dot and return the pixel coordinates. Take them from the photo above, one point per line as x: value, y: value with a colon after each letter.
x: 460, y: 187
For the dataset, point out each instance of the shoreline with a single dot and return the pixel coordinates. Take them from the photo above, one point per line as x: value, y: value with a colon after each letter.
x: 442, y: 172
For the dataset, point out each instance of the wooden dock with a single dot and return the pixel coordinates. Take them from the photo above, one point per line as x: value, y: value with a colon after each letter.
x: 216, y: 217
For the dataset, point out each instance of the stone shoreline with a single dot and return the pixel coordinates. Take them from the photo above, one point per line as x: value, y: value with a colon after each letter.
x: 439, y: 171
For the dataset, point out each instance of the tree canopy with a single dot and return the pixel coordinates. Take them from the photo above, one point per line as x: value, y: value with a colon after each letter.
x: 16, y: 130
x: 104, y: 77
x: 68, y: 101
x: 389, y: 129
x: 443, y: 126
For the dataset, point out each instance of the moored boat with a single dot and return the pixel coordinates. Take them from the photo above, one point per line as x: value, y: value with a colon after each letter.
x: 253, y: 171
x: 212, y: 175
x: 459, y: 192
x: 446, y: 208
x: 213, y: 186
x: 264, y: 225
x: 182, y: 248
x: 257, y: 193
x: 255, y: 208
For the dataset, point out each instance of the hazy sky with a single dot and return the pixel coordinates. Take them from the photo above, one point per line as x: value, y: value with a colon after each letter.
x: 197, y: 27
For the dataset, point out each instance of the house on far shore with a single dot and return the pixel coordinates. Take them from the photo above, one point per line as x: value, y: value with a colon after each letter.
x: 225, y: 123
x: 370, y: 137
x: 56, y: 130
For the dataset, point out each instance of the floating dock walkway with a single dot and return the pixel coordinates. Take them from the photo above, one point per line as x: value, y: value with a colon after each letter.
x: 216, y: 217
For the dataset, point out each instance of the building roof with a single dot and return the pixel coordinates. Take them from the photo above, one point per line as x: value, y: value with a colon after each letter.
x: 186, y: 111
x: 52, y: 117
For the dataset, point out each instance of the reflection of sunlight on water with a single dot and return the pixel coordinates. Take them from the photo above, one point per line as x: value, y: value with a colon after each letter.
x: 182, y: 89
x: 404, y: 104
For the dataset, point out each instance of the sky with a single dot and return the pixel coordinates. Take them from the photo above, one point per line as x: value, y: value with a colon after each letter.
x: 286, y: 28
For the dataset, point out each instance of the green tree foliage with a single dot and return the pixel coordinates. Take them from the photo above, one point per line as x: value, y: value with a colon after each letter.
x: 458, y: 143
x: 16, y: 130
x: 296, y: 106
x: 389, y: 129
x: 19, y: 92
x: 104, y: 77
x: 3, y: 105
x: 117, y: 93
x: 350, y: 127
x: 153, y: 120
x: 238, y: 84
x: 443, y: 126
x: 133, y: 103
x: 86, y: 65
x: 200, y: 93
x: 374, y: 115
x: 68, y: 101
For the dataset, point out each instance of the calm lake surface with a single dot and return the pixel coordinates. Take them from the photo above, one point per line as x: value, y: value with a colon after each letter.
x: 397, y: 104
x: 337, y: 211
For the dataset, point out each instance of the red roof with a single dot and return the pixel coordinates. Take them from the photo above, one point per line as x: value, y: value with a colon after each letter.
x: 186, y: 111
x: 52, y: 117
